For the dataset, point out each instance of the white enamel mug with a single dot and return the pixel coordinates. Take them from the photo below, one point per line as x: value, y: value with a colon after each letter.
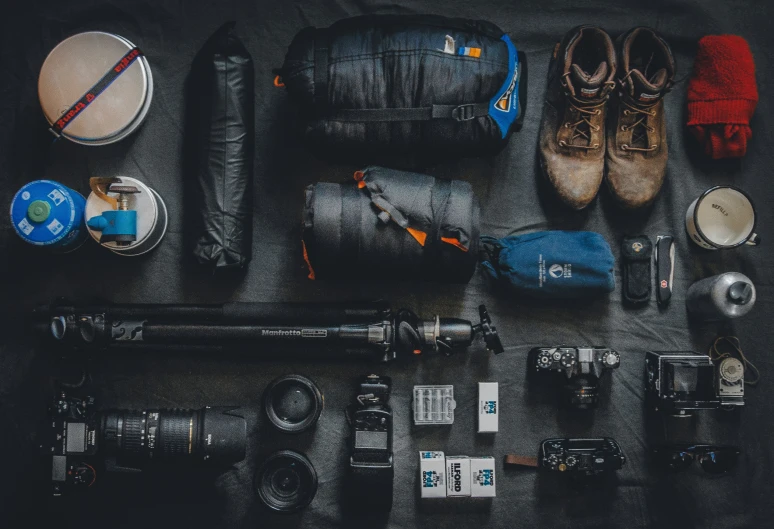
x: 722, y: 217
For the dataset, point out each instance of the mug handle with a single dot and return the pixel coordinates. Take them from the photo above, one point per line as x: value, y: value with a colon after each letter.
x: 754, y: 240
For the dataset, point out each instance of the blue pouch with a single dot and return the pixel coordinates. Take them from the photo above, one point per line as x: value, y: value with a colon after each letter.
x: 551, y: 264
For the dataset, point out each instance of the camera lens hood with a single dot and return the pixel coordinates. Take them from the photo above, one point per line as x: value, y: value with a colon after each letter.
x: 292, y: 403
x: 286, y: 482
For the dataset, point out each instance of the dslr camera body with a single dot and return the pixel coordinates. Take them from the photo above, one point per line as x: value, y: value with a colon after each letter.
x: 679, y: 382
x: 72, y: 442
x: 581, y: 367
x: 371, y: 468
x: 582, y: 457
x: 81, y: 440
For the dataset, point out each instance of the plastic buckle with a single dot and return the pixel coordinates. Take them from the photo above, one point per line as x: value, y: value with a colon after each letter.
x: 464, y: 113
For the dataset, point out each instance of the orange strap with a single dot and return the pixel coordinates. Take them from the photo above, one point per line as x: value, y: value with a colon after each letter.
x: 306, y: 259
x: 521, y: 461
x: 420, y: 236
x: 454, y: 242
x: 278, y: 82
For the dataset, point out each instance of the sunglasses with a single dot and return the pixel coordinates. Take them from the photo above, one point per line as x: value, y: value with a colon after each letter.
x: 713, y: 459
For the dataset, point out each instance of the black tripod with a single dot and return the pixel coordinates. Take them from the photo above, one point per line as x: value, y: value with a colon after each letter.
x: 263, y: 329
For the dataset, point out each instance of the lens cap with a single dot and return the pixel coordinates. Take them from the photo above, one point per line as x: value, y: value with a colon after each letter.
x: 286, y: 482
x: 293, y: 403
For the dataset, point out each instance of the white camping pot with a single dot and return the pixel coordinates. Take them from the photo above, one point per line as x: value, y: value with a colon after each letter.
x: 151, y: 218
x: 722, y: 217
x: 74, y: 69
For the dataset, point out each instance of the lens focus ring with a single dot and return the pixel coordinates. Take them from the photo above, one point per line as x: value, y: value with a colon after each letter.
x: 175, y: 436
x: 133, y: 433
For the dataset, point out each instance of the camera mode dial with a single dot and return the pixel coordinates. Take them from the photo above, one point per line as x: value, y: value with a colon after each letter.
x: 544, y: 359
x: 611, y: 359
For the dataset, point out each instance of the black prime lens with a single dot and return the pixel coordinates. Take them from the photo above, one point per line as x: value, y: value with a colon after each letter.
x: 286, y: 482
x: 582, y: 391
x: 292, y: 403
x: 210, y: 434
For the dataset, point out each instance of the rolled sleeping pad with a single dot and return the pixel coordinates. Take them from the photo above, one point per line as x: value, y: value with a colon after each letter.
x: 390, y: 224
x: 411, y: 84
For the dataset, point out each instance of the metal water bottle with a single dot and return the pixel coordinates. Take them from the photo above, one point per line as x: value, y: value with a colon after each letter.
x: 728, y: 295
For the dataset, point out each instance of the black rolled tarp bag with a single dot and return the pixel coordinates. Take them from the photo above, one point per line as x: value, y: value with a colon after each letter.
x: 221, y: 129
x: 406, y: 83
x: 390, y: 224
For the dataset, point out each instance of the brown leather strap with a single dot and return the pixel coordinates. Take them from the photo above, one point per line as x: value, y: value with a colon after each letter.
x: 521, y: 461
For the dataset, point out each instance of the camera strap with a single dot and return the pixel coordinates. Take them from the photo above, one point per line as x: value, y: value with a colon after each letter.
x: 521, y: 461
x: 92, y: 93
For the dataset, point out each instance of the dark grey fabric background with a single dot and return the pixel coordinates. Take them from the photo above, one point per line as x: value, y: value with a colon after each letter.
x: 513, y: 199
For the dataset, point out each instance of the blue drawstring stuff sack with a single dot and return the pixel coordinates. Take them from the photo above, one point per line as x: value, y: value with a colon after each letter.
x: 551, y: 264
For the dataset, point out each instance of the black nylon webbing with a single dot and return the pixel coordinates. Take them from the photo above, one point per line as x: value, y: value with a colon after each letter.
x: 457, y: 112
x: 91, y: 94
x: 321, y: 62
x: 351, y: 203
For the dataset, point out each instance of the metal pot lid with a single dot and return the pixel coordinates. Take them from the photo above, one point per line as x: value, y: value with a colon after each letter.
x: 74, y: 66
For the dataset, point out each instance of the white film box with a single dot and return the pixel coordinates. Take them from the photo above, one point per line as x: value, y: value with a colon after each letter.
x: 457, y: 476
x: 432, y: 467
x: 488, y: 407
x: 482, y: 477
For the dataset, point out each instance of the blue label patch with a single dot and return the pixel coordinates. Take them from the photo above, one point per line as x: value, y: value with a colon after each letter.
x: 504, y: 106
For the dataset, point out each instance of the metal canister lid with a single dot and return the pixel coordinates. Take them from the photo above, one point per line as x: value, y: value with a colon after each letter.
x: 74, y: 66
x: 43, y: 212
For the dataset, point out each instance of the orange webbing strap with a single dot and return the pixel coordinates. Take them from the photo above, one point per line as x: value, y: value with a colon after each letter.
x: 521, y: 461
x: 454, y: 242
x: 306, y: 259
x: 420, y: 236
x: 278, y: 81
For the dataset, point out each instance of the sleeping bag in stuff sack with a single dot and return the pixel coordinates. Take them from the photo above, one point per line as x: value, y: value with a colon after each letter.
x: 390, y: 224
x: 410, y: 84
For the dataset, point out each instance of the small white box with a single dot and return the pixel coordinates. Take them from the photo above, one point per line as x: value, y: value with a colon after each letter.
x: 482, y: 477
x: 432, y: 467
x: 488, y: 407
x: 457, y: 476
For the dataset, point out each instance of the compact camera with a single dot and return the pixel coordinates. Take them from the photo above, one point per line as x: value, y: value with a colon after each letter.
x: 587, y: 457
x: 82, y: 441
x: 678, y: 382
x: 581, y: 367
x: 371, y: 468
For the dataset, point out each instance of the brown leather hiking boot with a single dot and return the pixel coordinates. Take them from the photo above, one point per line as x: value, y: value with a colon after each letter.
x: 572, y: 132
x: 637, y: 138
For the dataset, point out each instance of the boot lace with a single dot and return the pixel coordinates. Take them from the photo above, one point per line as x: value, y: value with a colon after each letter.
x: 639, y: 128
x: 583, y: 127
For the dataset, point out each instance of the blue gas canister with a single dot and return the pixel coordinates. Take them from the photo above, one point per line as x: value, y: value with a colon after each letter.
x: 46, y: 213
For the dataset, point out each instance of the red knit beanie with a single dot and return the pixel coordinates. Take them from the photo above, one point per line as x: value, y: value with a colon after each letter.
x: 722, y: 95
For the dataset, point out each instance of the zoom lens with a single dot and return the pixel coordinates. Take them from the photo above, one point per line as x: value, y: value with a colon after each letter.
x: 286, y: 481
x: 217, y: 434
x: 293, y: 403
